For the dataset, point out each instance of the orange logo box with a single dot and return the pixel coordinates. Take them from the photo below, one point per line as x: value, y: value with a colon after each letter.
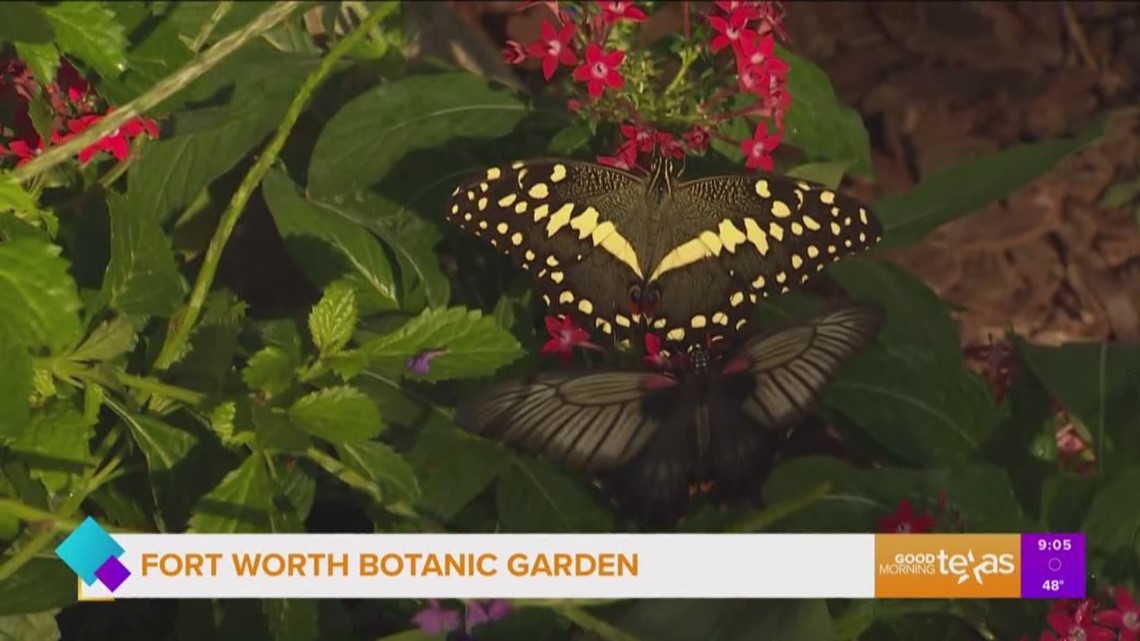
x: 947, y: 566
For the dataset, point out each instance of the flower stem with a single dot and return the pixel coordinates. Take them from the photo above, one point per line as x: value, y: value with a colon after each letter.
x: 181, y: 324
x: 158, y: 388
x: 157, y: 94
x: 220, y: 12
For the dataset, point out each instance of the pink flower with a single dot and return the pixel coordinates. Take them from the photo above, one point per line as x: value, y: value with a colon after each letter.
x: 434, y: 619
x: 564, y: 337
x: 600, y: 70
x: 480, y: 612
x: 758, y: 149
x: 554, y: 48
x: 615, y: 11
x: 731, y: 31
x: 1125, y: 618
x: 904, y: 521
x: 514, y: 53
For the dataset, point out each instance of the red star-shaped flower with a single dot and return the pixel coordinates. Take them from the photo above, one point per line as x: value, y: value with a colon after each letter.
x: 513, y: 53
x: 625, y: 158
x: 904, y: 521
x: 758, y: 149
x: 696, y: 138
x: 1078, y: 627
x: 564, y: 337
x: 760, y: 51
x: 639, y: 135
x: 554, y: 48
x: 1125, y: 618
x: 670, y: 146
x: 600, y: 70
x: 615, y: 11
x: 26, y: 151
x: 731, y: 31
x: 117, y: 142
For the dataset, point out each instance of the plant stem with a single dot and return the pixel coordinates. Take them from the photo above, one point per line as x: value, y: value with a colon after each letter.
x: 158, y: 388
x: 157, y: 94
x: 92, y: 482
x: 762, y: 519
x: 183, y: 322
x: 30, y: 514
x: 208, y: 27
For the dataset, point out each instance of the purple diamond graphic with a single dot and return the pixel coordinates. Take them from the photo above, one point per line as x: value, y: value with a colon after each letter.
x: 112, y: 573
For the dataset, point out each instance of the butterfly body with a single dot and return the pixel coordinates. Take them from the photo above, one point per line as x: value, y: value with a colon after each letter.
x: 686, y: 260
x: 650, y: 436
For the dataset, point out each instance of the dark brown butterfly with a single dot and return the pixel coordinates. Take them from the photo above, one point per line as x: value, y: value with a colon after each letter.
x: 650, y: 436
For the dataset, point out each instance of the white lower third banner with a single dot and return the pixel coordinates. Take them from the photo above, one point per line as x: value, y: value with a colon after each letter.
x: 477, y: 566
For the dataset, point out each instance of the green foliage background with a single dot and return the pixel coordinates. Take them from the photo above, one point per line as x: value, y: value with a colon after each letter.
x: 138, y: 388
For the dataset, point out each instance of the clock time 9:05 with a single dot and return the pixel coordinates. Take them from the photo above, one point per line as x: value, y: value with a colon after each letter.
x: 1054, y: 545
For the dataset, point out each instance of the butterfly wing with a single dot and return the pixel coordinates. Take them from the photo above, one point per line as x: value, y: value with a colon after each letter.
x: 592, y: 422
x: 570, y: 224
x: 781, y: 375
x: 753, y: 237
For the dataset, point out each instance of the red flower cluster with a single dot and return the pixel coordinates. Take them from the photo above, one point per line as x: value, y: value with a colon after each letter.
x: 581, y: 38
x: 75, y: 107
x: 944, y: 518
x: 564, y: 337
x: 1090, y: 620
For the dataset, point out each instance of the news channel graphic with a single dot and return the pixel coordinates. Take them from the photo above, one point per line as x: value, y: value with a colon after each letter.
x: 574, y: 566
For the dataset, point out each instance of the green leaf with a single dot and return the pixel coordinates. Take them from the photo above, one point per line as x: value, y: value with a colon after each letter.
x: 911, y: 391
x: 14, y: 198
x: 1120, y: 193
x: 829, y: 174
x: 333, y: 319
x: 270, y: 370
x: 37, y: 294
x: 818, y: 122
x: 109, y: 340
x: 42, y: 584
x: 209, y: 142
x: 1097, y: 383
x: 24, y: 22
x: 241, y: 503
x: 971, y: 184
x: 337, y: 414
x: 55, y: 444
x: 155, y: 52
x: 275, y: 432
x: 1112, y: 523
x: 329, y: 247
x: 409, y: 236
x: 373, y: 131
x: 570, y: 139
x: 89, y: 31
x: 213, y: 344
x: 475, y: 344
x: 454, y: 467
x: 142, y: 278
x: 291, y: 619
x: 163, y: 445
x: 379, y: 462
x: 15, y: 386
x: 534, y: 496
x: 42, y: 59
x: 724, y: 620
x: 40, y: 626
x: 980, y: 493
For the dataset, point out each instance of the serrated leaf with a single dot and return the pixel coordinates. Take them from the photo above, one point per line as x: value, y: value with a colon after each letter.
x: 240, y: 503
x: 333, y: 319
x: 475, y: 344
x: 329, y: 247
x: 817, y: 122
x: 24, y: 22
x: 42, y: 59
x: 39, y: 626
x: 274, y: 431
x: 42, y: 584
x: 109, y: 340
x: 209, y: 142
x: 270, y: 370
x: 213, y: 345
x: 14, y: 198
x: 142, y: 278
x: 90, y: 31
x: 379, y: 462
x: 534, y: 496
x: 15, y: 387
x: 337, y: 414
x: 162, y: 444
x: 291, y: 619
x: 971, y: 184
x: 56, y: 444
x: 37, y: 294
x: 366, y: 138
